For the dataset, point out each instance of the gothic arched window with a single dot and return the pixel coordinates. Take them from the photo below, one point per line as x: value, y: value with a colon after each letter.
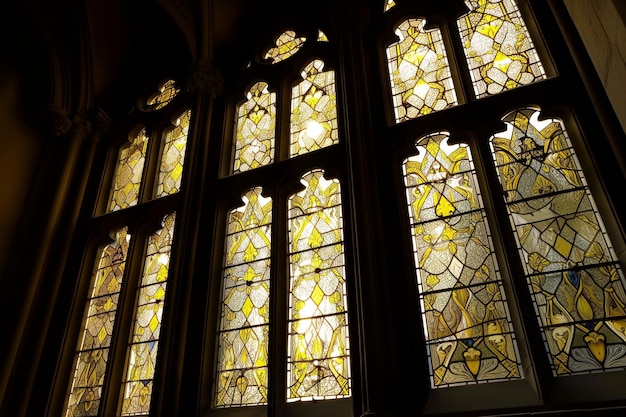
x: 284, y: 247
x: 117, y: 353
x: 495, y: 161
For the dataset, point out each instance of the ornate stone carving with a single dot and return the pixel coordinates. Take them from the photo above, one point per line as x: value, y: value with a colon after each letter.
x: 347, y: 14
x: 101, y: 123
x: 81, y: 126
x: 57, y: 121
x: 204, y: 78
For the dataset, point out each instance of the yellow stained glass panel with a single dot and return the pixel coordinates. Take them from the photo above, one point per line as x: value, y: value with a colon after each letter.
x: 173, y: 156
x: 167, y: 92
x: 574, y: 277
x: 500, y: 53
x: 143, y: 349
x: 128, y: 173
x: 421, y: 82
x: 244, y: 325
x: 314, y: 110
x: 318, y: 345
x: 286, y: 45
x: 466, y: 319
x: 92, y: 354
x: 255, y: 129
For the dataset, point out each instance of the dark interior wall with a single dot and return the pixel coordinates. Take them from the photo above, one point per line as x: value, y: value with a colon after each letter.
x: 21, y: 151
x: 24, y: 91
x: 602, y: 29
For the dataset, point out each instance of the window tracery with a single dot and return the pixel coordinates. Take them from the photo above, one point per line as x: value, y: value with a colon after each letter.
x: 499, y: 50
x: 467, y: 323
x: 569, y: 262
x: 149, y: 167
x: 420, y: 76
x: 313, y: 110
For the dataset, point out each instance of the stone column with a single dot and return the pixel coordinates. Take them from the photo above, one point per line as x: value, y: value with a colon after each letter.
x: 374, y: 387
x: 58, y: 197
x: 185, y: 350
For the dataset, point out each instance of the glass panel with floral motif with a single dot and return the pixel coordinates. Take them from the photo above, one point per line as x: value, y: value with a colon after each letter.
x: 420, y: 76
x: 500, y: 53
x: 575, y: 280
x: 173, y: 157
x: 166, y: 94
x: 286, y: 45
x: 313, y: 110
x: 466, y: 319
x: 128, y: 173
x: 318, y: 363
x: 142, y: 352
x: 93, y: 351
x: 244, y: 324
x: 255, y: 129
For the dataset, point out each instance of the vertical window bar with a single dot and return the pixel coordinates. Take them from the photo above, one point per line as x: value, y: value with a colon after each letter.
x: 575, y: 280
x: 499, y: 51
x: 142, y: 351
x: 173, y: 156
x: 419, y: 71
x: 100, y: 314
x: 313, y: 110
x: 255, y: 129
x: 318, y: 365
x: 242, y: 360
x: 128, y: 173
x: 466, y: 318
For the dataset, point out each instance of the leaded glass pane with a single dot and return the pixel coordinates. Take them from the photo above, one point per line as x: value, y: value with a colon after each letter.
x: 466, y: 319
x: 319, y: 350
x: 286, y: 45
x: 389, y: 4
x: 166, y: 94
x: 128, y: 173
x: 255, y: 129
x: 101, y: 307
x: 576, y: 282
x: 244, y: 324
x: 500, y: 53
x: 173, y: 156
x: 314, y: 110
x: 419, y: 71
x: 321, y: 36
x: 143, y: 349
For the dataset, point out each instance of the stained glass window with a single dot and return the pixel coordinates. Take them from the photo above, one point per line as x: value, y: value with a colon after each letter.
x: 244, y: 325
x: 173, y: 156
x: 286, y: 45
x: 255, y: 129
x: 313, y: 110
x: 466, y: 319
x: 143, y: 349
x: 318, y: 347
x: 321, y: 36
x: 389, y: 4
x: 571, y: 268
x: 128, y: 173
x: 419, y: 71
x: 500, y: 53
x: 99, y: 319
x: 166, y: 94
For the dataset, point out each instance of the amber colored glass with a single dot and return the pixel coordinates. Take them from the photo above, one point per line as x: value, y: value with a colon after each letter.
x: 466, y: 319
x: 318, y: 366
x: 571, y: 268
